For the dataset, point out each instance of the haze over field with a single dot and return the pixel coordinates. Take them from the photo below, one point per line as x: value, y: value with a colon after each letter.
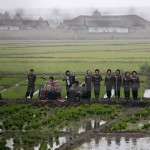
x: 71, y: 8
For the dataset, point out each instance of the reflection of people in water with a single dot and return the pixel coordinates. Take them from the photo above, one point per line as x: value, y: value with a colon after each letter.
x: 57, y: 141
x: 117, y: 140
x: 109, y: 141
x: 97, y: 140
x: 127, y: 139
x: 88, y: 126
x: 134, y: 141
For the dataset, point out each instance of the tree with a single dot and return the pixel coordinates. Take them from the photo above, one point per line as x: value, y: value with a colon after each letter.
x: 17, y: 16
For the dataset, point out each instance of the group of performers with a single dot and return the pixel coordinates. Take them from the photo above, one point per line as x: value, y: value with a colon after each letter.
x: 52, y: 89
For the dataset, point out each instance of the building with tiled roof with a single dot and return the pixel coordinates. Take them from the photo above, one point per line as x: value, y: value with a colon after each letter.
x: 99, y: 23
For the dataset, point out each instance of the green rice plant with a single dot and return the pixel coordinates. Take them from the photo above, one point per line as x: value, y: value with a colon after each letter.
x: 117, y: 126
x: 73, y: 55
x: 146, y: 126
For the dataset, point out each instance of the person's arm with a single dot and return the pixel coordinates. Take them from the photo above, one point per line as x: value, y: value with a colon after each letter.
x: 93, y: 78
x: 123, y: 81
x: 64, y: 78
x: 120, y: 80
x: 105, y: 80
x: 28, y: 76
x: 35, y: 78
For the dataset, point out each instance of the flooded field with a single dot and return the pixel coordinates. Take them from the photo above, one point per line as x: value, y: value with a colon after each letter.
x: 117, y: 143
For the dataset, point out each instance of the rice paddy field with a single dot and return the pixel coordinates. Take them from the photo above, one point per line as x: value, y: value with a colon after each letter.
x: 77, y: 56
x: 41, y: 127
x: 47, y: 57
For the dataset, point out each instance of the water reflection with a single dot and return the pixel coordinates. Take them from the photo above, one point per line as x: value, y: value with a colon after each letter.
x: 59, y: 141
x: 117, y: 143
x: 84, y: 126
x: 147, y: 93
x: 10, y: 143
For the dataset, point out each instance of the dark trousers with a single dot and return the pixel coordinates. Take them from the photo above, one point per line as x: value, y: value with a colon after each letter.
x: 127, y: 92
x: 135, y: 93
x: 30, y: 91
x: 97, y: 91
x: 88, y: 92
x: 117, y: 92
x: 67, y: 89
x: 108, y: 91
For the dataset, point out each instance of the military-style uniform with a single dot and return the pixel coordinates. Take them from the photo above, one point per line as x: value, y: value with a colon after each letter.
x: 96, y: 82
x: 109, y: 84
x: 135, y: 84
x: 117, y: 81
x: 70, y: 80
x: 31, y: 85
x: 88, y: 82
x: 126, y: 84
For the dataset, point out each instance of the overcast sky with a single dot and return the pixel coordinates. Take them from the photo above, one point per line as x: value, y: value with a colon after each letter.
x: 72, y: 8
x: 13, y: 4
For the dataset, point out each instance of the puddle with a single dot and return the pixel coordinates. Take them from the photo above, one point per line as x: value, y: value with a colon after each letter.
x: 73, y: 129
x: 140, y: 125
x: 117, y: 143
x: 10, y: 143
x: 37, y: 147
x: 1, y: 130
x: 147, y: 93
x: 84, y: 126
x: 57, y: 143
x: 81, y: 129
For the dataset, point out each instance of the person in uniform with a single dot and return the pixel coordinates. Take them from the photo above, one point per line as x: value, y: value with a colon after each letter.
x: 96, y: 83
x: 31, y: 84
x: 88, y: 84
x: 117, y: 81
x: 70, y: 80
x: 135, y: 84
x: 108, y: 83
x: 126, y: 83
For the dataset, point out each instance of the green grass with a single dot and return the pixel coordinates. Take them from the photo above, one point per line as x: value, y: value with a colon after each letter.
x: 78, y: 56
x: 58, y: 56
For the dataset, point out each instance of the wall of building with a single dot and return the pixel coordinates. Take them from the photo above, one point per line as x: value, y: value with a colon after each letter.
x: 9, y: 28
x: 107, y: 30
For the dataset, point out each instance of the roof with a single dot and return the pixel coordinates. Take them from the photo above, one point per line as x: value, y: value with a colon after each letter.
x: 126, y: 20
x: 103, y: 23
x: 20, y: 22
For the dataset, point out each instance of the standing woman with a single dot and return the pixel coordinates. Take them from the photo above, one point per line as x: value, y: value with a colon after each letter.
x: 108, y: 83
x: 135, y: 84
x: 88, y: 82
x: 126, y: 84
x: 117, y: 81
x: 70, y: 80
x: 96, y: 82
